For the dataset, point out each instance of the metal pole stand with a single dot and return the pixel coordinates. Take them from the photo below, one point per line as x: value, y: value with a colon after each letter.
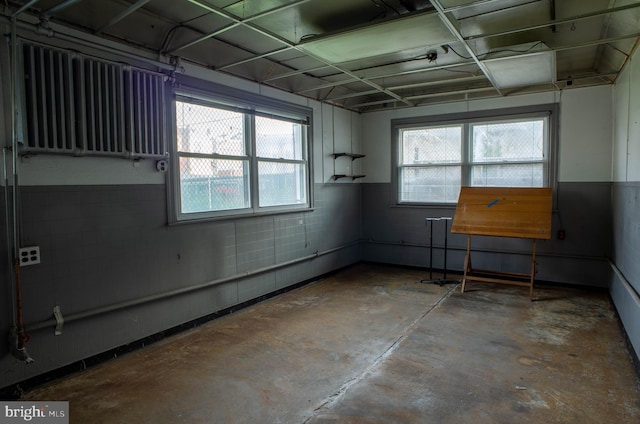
x: 444, y: 279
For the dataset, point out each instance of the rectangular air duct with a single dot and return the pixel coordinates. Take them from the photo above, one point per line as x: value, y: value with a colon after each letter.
x: 377, y: 39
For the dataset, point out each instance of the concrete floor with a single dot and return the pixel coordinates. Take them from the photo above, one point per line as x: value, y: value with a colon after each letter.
x: 373, y: 345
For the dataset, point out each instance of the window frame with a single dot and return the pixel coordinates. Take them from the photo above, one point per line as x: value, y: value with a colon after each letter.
x: 250, y: 105
x: 466, y: 120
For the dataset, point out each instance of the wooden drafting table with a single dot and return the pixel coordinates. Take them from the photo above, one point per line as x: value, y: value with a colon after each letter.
x: 503, y: 212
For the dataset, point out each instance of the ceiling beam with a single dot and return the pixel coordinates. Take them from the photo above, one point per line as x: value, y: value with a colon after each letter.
x: 452, y: 93
x: 395, y: 74
x: 256, y: 57
x: 297, y: 72
x: 246, y: 23
x: 554, y: 22
x: 24, y: 7
x: 446, y: 67
x: 467, y: 5
x: 451, y: 24
x: 438, y: 82
x: 61, y: 6
x: 236, y: 21
x: 203, y: 38
x: 415, y: 85
x: 501, y: 9
x: 128, y: 11
x: 595, y: 42
x: 351, y: 95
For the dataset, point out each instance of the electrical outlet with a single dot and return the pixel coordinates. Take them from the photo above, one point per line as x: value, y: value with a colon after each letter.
x: 29, y: 255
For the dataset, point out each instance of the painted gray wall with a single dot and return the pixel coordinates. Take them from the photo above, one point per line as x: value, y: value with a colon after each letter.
x: 625, y: 281
x: 626, y: 252
x: 626, y: 231
x: 101, y: 245
x: 101, y: 224
x: 399, y: 235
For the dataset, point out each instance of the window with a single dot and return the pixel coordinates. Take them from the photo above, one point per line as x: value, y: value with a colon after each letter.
x: 434, y: 159
x: 235, y: 160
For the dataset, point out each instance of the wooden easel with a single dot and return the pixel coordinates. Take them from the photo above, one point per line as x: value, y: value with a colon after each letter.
x: 503, y: 212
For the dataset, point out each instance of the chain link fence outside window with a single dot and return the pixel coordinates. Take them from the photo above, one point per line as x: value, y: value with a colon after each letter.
x: 436, y: 161
x: 214, y: 148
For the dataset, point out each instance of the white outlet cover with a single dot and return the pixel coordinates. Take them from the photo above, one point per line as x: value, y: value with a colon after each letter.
x: 29, y: 255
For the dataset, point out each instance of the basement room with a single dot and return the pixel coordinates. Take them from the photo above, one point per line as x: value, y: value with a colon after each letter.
x: 320, y: 211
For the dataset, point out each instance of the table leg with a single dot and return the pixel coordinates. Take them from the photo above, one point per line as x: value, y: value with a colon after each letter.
x: 533, y: 269
x: 467, y: 263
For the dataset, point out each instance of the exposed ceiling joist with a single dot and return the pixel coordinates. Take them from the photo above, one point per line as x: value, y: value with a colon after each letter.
x: 556, y: 22
x: 418, y: 66
x: 120, y: 16
x: 450, y: 23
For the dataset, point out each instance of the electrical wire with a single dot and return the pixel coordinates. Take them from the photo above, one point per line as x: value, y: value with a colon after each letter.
x: 483, y: 55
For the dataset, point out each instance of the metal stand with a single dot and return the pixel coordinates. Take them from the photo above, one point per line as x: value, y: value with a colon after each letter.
x: 444, y: 279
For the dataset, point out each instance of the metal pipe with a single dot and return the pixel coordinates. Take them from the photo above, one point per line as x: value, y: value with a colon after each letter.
x: 18, y: 332
x: 60, y: 6
x: 8, y: 229
x: 22, y: 335
x: 24, y: 7
x: 159, y: 296
x: 14, y: 135
x: 486, y: 250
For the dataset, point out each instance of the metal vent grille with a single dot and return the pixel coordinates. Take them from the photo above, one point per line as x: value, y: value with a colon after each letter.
x: 49, y: 100
x: 144, y: 101
x: 75, y: 104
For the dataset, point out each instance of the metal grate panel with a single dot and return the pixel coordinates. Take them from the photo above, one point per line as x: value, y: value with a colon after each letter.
x: 75, y: 104
x: 49, y: 100
x: 144, y: 95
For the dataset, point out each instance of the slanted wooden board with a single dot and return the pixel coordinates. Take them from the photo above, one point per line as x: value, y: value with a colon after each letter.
x: 504, y: 212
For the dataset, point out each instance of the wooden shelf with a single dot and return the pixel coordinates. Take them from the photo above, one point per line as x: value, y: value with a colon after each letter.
x: 353, y: 156
x: 353, y: 177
